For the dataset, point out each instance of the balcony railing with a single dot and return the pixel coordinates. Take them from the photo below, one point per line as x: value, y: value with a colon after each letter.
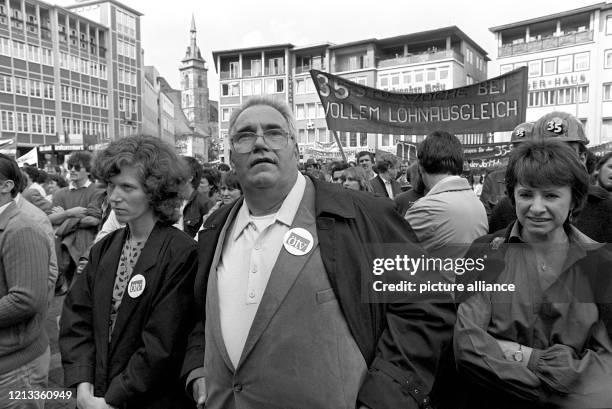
x: 546, y: 43
x: 274, y: 71
x: 421, y: 58
x: 300, y: 69
x: 228, y: 75
x: 251, y: 73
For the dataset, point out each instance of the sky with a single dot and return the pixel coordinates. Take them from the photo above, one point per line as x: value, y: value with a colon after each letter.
x: 230, y: 24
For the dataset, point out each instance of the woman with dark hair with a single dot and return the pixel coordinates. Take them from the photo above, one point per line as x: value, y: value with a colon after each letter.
x: 126, y: 320
x: 229, y: 192
x: 545, y: 343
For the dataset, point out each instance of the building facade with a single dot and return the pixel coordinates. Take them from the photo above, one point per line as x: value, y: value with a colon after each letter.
x: 413, y: 63
x: 157, y: 108
x: 569, y: 60
x: 58, y: 88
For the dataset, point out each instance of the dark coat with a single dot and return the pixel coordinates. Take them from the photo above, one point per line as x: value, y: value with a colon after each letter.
x: 401, y: 342
x: 140, y: 366
x: 378, y: 185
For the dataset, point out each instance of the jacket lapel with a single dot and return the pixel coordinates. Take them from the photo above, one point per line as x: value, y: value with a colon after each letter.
x: 105, y: 280
x: 7, y: 214
x: 286, y: 270
x: 147, y: 260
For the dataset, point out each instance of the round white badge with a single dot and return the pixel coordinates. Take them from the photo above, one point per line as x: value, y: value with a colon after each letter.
x: 298, y: 241
x: 136, y: 285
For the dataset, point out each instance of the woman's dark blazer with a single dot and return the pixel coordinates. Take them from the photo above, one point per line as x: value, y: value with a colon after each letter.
x: 139, y: 367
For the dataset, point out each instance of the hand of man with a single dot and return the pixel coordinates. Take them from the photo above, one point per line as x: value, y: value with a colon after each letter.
x: 78, y: 211
x: 57, y: 209
x: 199, y: 392
x: 509, y: 348
x: 86, y: 400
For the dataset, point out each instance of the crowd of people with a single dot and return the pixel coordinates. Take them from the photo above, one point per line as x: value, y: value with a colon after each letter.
x: 190, y: 284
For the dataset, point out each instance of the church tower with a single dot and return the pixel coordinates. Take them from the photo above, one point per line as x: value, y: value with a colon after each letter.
x: 194, y: 85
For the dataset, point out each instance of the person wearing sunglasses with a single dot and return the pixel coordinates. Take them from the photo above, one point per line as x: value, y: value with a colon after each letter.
x: 77, y: 211
x: 281, y: 323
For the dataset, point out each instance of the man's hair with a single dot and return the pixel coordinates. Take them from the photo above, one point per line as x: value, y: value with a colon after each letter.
x: 279, y: 106
x: 441, y: 153
x: 61, y: 182
x: 162, y: 174
x: 83, y: 158
x: 43, y: 177
x: 603, y: 160
x: 32, y: 173
x: 223, y: 167
x: 195, y: 170
x: 9, y: 170
x: 338, y: 165
x: 547, y: 162
x: 386, y: 162
x: 363, y: 153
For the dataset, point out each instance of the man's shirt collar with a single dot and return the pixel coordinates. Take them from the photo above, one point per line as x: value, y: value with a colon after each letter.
x: 73, y: 185
x: 284, y: 215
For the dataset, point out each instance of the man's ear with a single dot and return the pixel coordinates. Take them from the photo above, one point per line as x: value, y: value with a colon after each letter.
x: 7, y: 186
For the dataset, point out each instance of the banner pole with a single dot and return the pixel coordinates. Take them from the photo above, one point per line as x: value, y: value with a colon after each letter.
x: 339, y: 145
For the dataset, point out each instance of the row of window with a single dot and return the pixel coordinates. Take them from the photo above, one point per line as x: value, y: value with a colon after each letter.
x: 475, y: 59
x: 253, y: 87
x: 126, y: 49
x: 560, y: 96
x: 555, y: 65
x: 84, y: 97
x: 82, y: 66
x: 128, y: 105
x: 276, y: 66
x: 27, y: 123
x: 23, y: 86
x: 28, y: 52
x: 126, y: 24
x: 304, y: 86
x: 76, y: 126
x: 127, y: 130
x: 127, y: 77
x: 407, y: 78
x: 309, y: 111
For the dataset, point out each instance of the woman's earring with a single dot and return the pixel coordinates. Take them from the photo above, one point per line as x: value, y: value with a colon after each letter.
x: 571, y: 216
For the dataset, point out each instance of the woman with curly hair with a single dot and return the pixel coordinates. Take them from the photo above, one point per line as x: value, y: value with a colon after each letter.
x: 125, y: 321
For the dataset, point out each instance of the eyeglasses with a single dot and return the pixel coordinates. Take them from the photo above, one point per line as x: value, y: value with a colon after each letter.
x: 243, y: 142
x: 76, y: 167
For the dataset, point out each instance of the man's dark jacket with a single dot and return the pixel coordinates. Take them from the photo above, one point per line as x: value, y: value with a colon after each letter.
x: 140, y: 366
x: 378, y: 185
x: 401, y: 342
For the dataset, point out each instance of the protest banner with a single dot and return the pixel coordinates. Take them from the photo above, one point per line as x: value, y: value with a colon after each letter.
x: 30, y: 158
x: 475, y: 156
x: 497, y: 104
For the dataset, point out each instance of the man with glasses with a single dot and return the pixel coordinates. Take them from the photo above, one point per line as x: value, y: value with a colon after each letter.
x: 77, y: 211
x: 281, y: 323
